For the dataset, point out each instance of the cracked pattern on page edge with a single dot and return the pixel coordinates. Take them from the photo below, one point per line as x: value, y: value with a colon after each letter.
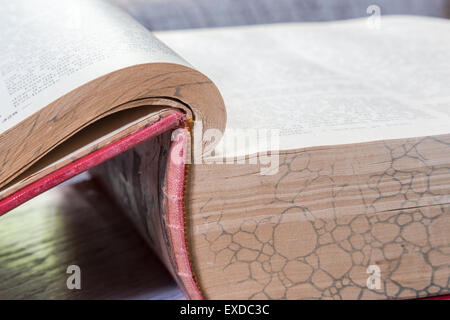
x: 329, y: 254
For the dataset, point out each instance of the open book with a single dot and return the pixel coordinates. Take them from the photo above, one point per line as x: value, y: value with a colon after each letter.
x: 323, y: 172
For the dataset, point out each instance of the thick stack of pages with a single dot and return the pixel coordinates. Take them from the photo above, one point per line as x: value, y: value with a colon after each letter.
x: 363, y: 175
x: 330, y: 181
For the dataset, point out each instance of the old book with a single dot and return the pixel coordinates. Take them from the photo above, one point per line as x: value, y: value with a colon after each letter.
x: 331, y: 179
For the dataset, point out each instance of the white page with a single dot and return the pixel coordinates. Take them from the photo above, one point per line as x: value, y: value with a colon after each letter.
x: 49, y: 48
x: 327, y: 83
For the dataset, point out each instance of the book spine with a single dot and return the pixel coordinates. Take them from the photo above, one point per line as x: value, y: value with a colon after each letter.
x: 149, y: 182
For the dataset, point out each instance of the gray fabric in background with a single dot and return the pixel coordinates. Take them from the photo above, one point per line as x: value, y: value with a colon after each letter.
x: 182, y: 14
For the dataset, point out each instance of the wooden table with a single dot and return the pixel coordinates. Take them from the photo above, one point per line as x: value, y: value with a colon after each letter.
x: 76, y: 224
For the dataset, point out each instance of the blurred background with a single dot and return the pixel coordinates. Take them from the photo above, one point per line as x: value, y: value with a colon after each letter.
x: 184, y: 14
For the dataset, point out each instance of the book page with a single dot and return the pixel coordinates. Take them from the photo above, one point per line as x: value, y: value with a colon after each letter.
x: 50, y: 48
x: 326, y: 83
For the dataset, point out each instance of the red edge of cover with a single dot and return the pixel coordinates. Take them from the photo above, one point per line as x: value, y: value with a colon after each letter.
x: 175, y: 183
x: 174, y: 190
x: 91, y: 160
